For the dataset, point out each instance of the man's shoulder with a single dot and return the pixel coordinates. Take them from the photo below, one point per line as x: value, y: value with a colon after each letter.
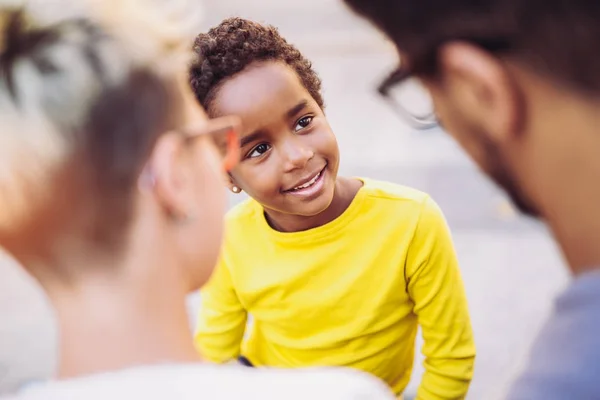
x: 215, y: 382
x: 564, y: 360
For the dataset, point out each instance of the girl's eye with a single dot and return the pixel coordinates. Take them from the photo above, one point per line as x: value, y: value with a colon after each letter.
x: 303, y: 123
x: 259, y: 150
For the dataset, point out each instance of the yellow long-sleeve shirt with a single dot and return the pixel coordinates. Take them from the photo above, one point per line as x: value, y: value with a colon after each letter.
x: 349, y: 293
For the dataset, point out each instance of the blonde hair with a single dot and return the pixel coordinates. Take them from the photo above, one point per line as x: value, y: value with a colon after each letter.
x: 56, y: 59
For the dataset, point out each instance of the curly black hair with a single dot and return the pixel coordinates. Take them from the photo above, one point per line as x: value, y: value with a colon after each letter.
x: 235, y: 43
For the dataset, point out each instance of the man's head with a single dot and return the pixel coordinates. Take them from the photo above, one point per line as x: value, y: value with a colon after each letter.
x: 510, y: 80
x: 100, y: 142
x: 289, y: 155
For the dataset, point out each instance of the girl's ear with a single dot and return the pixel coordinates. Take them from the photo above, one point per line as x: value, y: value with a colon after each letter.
x: 232, y: 185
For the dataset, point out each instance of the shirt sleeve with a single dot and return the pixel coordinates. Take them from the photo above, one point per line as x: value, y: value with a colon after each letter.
x: 436, y: 288
x: 222, y: 318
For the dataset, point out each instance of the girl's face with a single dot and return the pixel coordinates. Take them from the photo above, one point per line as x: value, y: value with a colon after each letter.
x: 289, y: 155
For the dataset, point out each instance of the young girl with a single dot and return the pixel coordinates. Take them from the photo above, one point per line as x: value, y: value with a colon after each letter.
x: 335, y: 271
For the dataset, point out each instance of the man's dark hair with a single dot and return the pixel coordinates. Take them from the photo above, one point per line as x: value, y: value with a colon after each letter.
x: 557, y: 38
x: 233, y: 45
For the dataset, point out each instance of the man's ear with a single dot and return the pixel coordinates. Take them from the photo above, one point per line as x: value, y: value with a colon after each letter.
x: 481, y: 87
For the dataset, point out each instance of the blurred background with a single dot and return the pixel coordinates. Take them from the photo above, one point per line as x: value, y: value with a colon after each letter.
x: 510, y: 265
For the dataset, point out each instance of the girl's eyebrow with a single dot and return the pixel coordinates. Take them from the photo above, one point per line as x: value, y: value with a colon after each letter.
x: 250, y: 138
x: 297, y: 108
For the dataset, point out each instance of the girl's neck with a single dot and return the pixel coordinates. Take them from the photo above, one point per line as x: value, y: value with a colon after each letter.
x: 344, y: 193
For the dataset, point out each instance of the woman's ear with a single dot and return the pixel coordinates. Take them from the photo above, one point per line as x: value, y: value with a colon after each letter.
x: 167, y: 177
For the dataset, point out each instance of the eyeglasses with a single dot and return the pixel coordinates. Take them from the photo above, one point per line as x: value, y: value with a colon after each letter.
x: 224, y: 132
x: 409, y: 99
x: 407, y: 95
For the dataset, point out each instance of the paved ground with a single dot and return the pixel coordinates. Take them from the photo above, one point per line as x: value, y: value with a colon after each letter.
x: 510, y: 266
